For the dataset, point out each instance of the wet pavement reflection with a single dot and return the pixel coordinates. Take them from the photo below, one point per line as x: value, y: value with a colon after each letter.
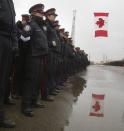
x: 98, y: 90
x: 55, y: 116
x: 78, y: 85
x: 109, y: 82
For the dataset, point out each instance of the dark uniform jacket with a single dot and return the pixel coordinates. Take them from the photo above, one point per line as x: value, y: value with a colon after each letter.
x: 7, y: 22
x: 7, y: 17
x: 24, y: 46
x: 70, y: 50
x: 67, y: 49
x: 38, y: 42
x: 53, y: 40
x: 59, y: 44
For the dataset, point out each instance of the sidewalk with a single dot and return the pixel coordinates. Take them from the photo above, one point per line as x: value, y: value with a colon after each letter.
x: 54, y: 116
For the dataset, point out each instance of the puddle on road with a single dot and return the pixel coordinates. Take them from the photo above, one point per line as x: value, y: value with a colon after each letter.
x: 113, y: 119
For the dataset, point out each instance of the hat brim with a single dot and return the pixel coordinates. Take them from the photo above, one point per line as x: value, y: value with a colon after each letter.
x: 53, y: 14
x: 57, y: 25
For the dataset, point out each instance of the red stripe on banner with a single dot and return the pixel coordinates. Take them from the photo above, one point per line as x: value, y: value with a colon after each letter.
x: 99, y: 33
x: 101, y: 14
x: 100, y: 97
x: 97, y: 115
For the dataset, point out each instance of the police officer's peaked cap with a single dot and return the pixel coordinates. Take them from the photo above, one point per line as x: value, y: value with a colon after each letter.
x: 51, y: 11
x: 77, y: 48
x: 66, y: 33
x: 70, y: 38
x: 25, y: 17
x: 37, y: 7
x: 62, y: 30
x: 56, y: 23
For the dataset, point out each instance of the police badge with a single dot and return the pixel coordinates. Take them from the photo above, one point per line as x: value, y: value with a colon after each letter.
x: 27, y: 28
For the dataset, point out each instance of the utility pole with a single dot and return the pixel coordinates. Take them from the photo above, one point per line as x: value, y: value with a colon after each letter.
x: 73, y: 27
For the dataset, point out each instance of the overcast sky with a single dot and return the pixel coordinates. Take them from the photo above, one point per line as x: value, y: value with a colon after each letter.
x: 97, y: 48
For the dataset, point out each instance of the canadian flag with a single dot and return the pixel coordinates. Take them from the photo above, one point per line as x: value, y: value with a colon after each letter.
x: 101, y: 22
x: 97, y: 106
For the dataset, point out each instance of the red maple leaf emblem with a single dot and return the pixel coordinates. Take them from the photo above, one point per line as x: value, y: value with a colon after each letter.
x: 97, y: 106
x: 100, y: 23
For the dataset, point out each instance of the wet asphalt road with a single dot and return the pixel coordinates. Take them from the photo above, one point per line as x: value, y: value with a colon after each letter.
x: 100, y: 80
x: 71, y: 108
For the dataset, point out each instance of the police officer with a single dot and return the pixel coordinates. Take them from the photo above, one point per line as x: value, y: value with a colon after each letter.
x: 71, y: 54
x: 23, y: 51
x: 7, y: 44
x: 50, y: 83
x: 59, y: 70
x: 63, y: 53
x: 38, y: 47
